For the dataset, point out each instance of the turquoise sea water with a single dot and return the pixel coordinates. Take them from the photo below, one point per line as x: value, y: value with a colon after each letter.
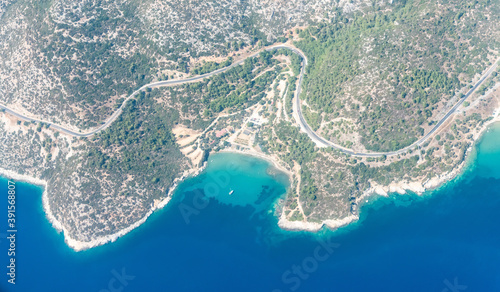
x: 208, y: 240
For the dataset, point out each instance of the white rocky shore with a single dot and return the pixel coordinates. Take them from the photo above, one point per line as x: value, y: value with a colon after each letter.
x: 77, y: 245
x: 284, y: 223
x: 396, y: 187
x: 401, y: 187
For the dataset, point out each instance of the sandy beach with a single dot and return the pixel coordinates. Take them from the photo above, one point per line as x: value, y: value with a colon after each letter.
x: 268, y: 158
x: 395, y: 187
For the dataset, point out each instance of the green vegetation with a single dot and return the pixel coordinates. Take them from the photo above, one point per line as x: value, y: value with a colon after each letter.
x: 297, y: 146
x: 397, y: 63
x: 211, y: 66
x: 238, y: 88
x: 377, y: 76
x: 292, y: 86
x: 89, y: 54
x: 139, y: 142
x: 226, y: 89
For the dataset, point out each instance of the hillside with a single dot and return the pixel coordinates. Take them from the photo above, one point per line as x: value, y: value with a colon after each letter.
x: 378, y: 78
x: 71, y: 62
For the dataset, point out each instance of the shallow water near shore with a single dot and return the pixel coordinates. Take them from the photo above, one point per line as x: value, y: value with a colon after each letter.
x: 208, y: 240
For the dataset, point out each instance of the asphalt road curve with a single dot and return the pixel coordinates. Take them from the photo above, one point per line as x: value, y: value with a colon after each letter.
x: 320, y: 141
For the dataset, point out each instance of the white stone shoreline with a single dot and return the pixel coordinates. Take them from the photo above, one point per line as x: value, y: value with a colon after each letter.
x: 284, y: 223
x: 401, y: 188
x: 77, y: 245
x: 395, y: 187
x: 333, y: 224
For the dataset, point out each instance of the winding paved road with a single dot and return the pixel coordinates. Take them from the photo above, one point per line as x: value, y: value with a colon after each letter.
x: 117, y: 113
x: 320, y: 141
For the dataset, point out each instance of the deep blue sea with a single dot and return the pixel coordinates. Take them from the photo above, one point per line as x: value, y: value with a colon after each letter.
x: 208, y: 240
